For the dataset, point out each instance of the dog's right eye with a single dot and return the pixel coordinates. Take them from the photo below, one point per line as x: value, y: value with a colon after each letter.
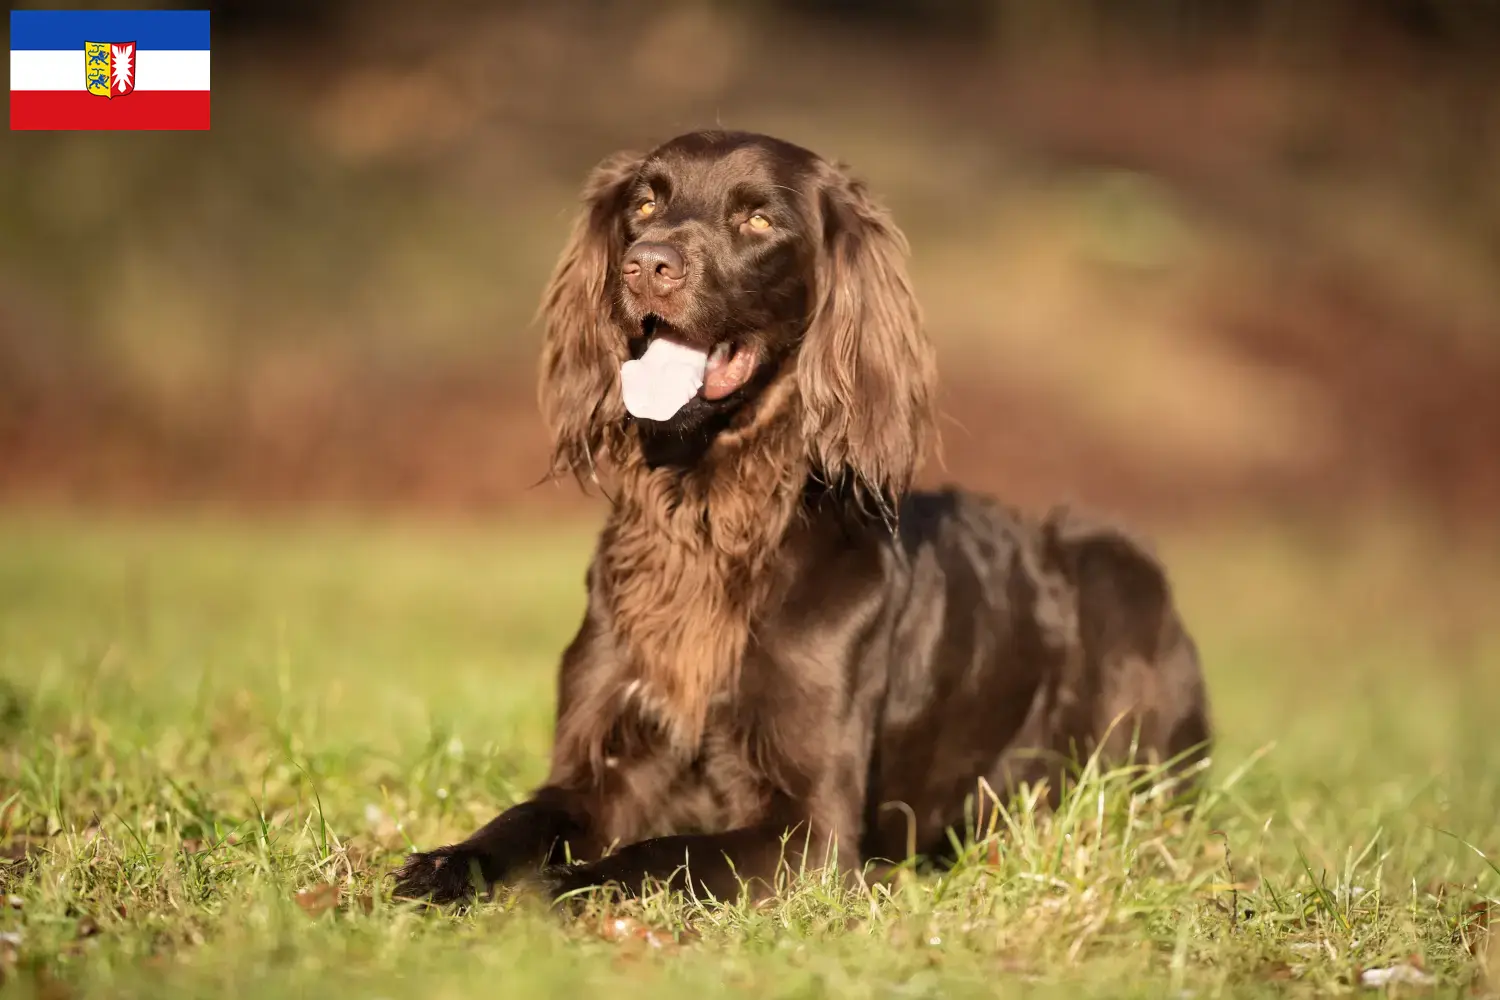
x: 646, y: 207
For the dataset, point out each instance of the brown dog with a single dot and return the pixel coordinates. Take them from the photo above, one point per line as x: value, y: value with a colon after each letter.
x: 781, y: 636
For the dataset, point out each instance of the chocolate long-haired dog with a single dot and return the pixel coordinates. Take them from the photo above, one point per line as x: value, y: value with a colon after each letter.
x: 781, y: 636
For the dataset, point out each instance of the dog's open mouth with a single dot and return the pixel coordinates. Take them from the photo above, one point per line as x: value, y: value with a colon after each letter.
x: 730, y: 365
x: 726, y: 368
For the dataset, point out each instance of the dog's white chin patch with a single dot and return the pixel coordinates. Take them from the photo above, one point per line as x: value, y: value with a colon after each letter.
x: 663, y: 380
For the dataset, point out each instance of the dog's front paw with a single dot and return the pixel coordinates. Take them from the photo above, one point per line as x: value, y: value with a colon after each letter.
x: 446, y: 875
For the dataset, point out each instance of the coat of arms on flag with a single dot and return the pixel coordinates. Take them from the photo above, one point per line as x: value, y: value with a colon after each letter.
x: 110, y: 67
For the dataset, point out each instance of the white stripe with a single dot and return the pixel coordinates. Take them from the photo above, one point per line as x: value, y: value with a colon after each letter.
x: 156, y: 69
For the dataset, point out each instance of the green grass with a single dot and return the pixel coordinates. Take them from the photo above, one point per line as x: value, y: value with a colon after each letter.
x: 198, y: 720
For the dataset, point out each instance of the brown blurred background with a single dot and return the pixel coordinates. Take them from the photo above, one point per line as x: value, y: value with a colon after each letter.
x: 1182, y: 259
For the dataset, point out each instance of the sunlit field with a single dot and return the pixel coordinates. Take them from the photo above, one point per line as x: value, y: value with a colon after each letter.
x: 216, y: 740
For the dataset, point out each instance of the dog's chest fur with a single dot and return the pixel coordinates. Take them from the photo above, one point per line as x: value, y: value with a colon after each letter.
x: 651, y: 788
x: 684, y: 565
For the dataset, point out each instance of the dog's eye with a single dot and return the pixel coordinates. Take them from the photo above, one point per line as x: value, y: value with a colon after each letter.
x: 758, y: 222
x: 646, y: 207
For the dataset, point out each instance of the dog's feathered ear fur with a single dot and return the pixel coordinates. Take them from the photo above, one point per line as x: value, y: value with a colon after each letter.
x: 866, y: 371
x: 579, y: 389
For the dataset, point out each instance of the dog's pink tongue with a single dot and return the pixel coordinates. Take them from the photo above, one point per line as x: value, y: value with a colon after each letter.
x: 663, y: 380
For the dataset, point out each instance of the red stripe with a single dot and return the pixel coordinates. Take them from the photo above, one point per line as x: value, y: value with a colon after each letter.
x: 78, y: 109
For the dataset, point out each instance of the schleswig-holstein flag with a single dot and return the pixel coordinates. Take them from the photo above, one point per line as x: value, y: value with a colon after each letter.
x: 109, y: 69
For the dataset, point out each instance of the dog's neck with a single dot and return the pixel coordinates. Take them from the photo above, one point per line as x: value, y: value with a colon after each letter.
x: 688, y: 558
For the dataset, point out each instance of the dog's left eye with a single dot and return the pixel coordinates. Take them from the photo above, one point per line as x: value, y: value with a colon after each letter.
x: 646, y: 207
x: 758, y: 222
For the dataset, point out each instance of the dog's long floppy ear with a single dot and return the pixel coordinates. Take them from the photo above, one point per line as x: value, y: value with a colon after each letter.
x: 866, y: 370
x: 579, y: 389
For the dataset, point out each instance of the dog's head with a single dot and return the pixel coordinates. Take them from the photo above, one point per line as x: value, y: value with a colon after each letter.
x: 774, y: 270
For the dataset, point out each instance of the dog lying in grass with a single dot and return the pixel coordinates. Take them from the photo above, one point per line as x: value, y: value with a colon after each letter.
x: 783, y: 639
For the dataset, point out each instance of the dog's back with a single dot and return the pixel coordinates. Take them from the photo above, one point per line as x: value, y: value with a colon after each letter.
x: 1020, y: 648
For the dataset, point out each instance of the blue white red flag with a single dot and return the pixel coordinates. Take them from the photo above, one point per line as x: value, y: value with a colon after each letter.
x: 109, y: 69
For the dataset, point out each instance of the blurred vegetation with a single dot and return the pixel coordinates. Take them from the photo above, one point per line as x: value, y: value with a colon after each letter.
x: 1177, y: 255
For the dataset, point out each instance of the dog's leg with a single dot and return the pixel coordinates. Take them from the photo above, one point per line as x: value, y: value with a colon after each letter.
x: 523, y: 836
x: 713, y: 865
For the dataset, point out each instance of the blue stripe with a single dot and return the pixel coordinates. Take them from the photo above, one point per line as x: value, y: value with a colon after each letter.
x: 69, y: 29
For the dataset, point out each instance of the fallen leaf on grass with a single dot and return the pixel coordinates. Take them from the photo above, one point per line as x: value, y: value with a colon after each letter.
x: 318, y: 899
x: 627, y: 930
x: 15, y: 859
x: 1472, y: 930
x: 1277, y: 971
x: 359, y: 857
x: 1405, y: 974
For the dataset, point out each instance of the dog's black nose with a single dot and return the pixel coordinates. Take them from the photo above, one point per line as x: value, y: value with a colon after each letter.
x: 654, y: 268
